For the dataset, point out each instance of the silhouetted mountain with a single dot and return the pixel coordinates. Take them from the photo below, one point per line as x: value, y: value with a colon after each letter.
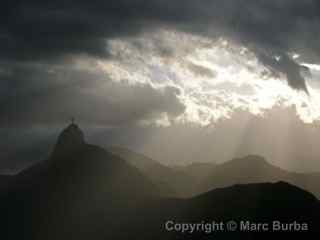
x: 255, y: 203
x: 4, y: 182
x: 84, y: 192
x: 255, y: 169
x: 196, y: 178
x: 70, y: 140
x: 173, y: 182
x: 197, y: 170
x: 78, y: 184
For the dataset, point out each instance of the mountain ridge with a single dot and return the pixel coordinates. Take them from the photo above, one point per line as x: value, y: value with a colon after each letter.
x: 205, y: 177
x: 86, y: 192
x: 255, y: 169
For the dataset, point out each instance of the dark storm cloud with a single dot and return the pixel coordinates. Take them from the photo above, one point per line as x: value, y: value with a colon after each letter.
x: 40, y: 30
x: 283, y: 64
x: 33, y: 111
x: 50, y: 96
x: 37, y: 86
x: 36, y: 35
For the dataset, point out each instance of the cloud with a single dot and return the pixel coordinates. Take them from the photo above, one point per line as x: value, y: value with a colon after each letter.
x: 241, y: 80
x: 283, y: 64
x: 49, y: 71
x: 49, y: 96
x: 201, y: 71
x: 42, y: 30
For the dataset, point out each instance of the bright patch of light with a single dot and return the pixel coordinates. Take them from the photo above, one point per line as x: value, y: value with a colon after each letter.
x: 215, y: 77
x: 315, y: 67
x: 295, y: 56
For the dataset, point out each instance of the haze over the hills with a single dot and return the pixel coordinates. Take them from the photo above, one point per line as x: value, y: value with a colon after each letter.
x: 197, y: 178
x: 143, y: 72
x: 85, y: 192
x: 189, y: 110
x: 278, y: 135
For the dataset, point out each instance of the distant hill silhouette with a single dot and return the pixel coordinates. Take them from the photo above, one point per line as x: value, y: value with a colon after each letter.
x: 196, y: 178
x: 197, y: 170
x: 85, y: 192
x: 173, y: 182
x: 255, y: 169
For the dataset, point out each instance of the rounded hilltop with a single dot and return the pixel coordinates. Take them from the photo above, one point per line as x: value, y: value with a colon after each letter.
x: 70, y: 139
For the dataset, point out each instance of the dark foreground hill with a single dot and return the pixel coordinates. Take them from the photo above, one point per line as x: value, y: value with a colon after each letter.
x: 4, y: 181
x: 281, y: 207
x: 79, y: 187
x: 84, y: 192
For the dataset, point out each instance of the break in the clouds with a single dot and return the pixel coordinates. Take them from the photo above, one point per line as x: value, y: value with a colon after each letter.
x: 215, y: 77
x: 272, y: 29
x: 147, y: 63
x: 194, y: 60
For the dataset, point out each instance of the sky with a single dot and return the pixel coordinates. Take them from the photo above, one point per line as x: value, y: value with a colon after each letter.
x: 138, y: 72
